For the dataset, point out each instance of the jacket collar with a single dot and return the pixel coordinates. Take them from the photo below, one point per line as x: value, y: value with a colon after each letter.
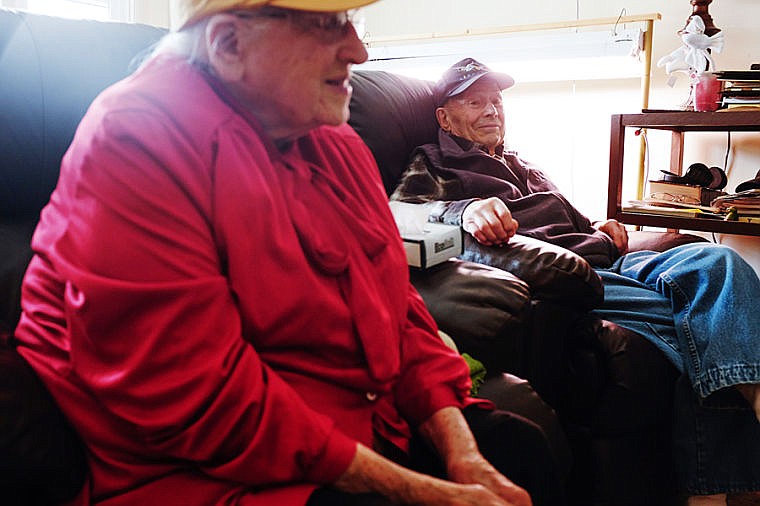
x: 454, y: 145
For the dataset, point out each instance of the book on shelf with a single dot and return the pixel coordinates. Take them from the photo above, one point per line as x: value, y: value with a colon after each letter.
x: 744, y: 204
x: 747, y: 198
x: 741, y: 101
x: 679, y: 193
x: 748, y: 219
x: 740, y: 107
x: 649, y: 201
x: 749, y: 212
x: 742, y: 210
x: 738, y: 75
x: 654, y: 208
x: 739, y: 88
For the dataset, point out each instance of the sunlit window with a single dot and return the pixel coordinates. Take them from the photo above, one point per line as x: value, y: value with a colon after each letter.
x: 117, y: 10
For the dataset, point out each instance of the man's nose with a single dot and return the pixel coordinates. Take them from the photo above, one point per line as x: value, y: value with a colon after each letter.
x: 491, y: 109
x: 352, y: 49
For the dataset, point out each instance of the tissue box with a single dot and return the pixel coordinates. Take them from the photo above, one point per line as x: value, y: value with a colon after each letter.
x: 435, y: 244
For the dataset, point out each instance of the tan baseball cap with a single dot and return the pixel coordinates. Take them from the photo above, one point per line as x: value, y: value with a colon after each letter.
x: 187, y: 12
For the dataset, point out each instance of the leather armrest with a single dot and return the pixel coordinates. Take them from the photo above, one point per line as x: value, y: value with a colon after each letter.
x: 553, y: 273
x: 619, y: 382
x: 639, y: 240
x: 481, y: 298
x: 482, y: 308
x: 516, y: 395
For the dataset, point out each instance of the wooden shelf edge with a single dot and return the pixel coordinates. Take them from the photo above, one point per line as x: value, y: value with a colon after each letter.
x: 693, y: 224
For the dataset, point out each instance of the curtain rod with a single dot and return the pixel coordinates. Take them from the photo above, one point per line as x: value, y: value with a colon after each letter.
x: 515, y: 28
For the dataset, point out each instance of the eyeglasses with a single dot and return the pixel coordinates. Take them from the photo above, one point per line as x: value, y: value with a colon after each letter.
x: 674, y: 198
x: 328, y: 27
x: 477, y: 103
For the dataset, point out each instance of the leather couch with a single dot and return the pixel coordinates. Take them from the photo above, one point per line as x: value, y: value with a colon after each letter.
x: 611, y: 389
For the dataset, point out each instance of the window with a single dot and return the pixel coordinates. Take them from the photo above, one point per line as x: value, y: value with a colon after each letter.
x: 117, y: 10
x: 529, y: 58
x: 570, y: 77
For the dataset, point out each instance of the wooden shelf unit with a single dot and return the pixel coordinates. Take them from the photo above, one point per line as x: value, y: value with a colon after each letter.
x: 678, y: 123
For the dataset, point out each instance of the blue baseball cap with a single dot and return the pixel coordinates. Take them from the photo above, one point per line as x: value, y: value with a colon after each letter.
x: 464, y: 74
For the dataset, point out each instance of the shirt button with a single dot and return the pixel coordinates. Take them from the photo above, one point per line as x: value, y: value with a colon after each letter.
x: 371, y: 396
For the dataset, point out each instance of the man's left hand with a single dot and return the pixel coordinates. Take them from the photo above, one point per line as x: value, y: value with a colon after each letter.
x: 617, y: 233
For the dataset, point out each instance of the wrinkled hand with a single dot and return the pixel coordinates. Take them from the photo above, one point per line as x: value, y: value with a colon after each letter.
x: 448, y: 432
x: 446, y: 493
x: 617, y: 233
x: 477, y: 470
x: 489, y: 221
x: 371, y: 472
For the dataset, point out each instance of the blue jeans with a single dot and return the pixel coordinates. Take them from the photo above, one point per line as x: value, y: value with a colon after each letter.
x: 698, y: 303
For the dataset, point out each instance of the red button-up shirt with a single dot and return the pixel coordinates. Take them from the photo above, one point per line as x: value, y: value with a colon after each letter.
x: 220, y: 318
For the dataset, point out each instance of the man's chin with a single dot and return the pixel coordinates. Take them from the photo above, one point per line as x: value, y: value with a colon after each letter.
x: 490, y: 141
x: 336, y: 120
x: 335, y: 115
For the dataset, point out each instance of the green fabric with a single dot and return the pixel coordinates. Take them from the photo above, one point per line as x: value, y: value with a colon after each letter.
x: 477, y: 369
x: 477, y: 373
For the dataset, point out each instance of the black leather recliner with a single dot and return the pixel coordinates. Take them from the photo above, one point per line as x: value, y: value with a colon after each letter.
x: 611, y: 388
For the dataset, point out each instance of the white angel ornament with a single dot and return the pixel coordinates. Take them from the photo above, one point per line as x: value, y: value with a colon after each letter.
x: 695, y: 56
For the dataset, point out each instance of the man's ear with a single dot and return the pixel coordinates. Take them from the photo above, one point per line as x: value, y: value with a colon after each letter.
x: 442, y: 115
x: 225, y: 54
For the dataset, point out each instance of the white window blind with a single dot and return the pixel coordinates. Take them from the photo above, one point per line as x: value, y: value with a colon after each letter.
x: 116, y: 10
x: 527, y: 57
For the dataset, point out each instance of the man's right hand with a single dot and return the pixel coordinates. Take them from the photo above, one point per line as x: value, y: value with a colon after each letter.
x: 489, y: 221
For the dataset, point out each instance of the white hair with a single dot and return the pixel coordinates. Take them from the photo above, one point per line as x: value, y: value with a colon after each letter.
x: 187, y: 43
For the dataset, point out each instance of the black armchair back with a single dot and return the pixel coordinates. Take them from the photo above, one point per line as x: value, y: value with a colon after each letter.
x: 50, y: 71
x: 393, y: 114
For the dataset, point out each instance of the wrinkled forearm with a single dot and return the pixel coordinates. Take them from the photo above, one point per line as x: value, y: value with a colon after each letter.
x: 448, y: 432
x: 371, y: 472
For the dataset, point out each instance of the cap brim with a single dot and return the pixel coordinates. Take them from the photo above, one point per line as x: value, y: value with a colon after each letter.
x: 752, y: 184
x: 504, y: 81
x: 322, y: 5
x: 188, y: 13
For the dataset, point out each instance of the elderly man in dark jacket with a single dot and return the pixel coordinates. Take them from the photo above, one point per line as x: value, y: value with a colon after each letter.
x: 694, y: 302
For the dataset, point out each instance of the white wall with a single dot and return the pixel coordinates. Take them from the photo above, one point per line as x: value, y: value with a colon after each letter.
x: 564, y: 126
x: 151, y: 12
x: 737, y: 18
